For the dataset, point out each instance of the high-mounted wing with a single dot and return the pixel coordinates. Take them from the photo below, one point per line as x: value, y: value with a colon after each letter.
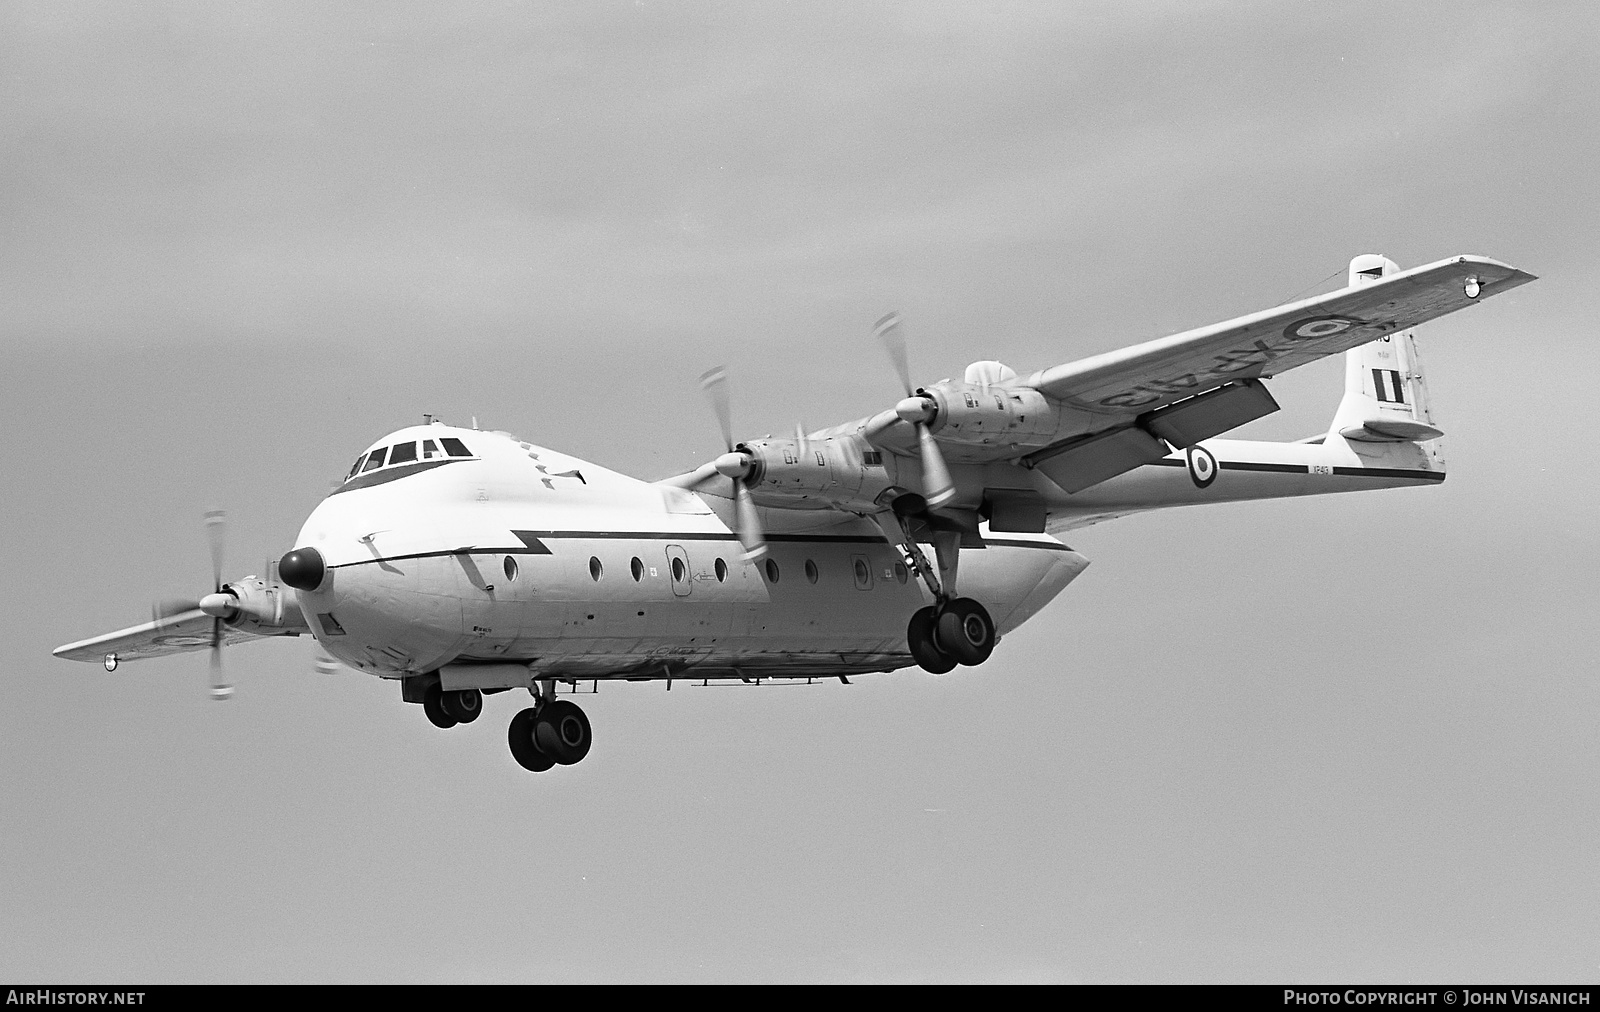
x: 1147, y: 376
x: 1081, y: 423
x: 170, y: 634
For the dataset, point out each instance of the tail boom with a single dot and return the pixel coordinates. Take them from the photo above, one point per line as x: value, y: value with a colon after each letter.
x: 1237, y: 470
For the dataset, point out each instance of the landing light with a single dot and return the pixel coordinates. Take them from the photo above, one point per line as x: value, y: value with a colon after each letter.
x: 1472, y: 287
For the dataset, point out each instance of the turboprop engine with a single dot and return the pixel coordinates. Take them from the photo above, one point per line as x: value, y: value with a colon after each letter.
x: 842, y: 472
x: 254, y: 604
x: 983, y: 415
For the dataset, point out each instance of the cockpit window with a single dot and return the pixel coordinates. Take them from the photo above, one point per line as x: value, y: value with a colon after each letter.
x: 429, y: 449
x: 403, y: 452
x: 355, y: 467
x: 375, y: 458
x: 454, y: 447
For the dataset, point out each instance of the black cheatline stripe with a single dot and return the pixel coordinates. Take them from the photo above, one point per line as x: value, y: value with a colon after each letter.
x: 1390, y: 472
x: 539, y: 548
x: 532, y: 543
x: 386, y: 475
x: 856, y: 539
x: 1245, y: 465
x: 1356, y: 472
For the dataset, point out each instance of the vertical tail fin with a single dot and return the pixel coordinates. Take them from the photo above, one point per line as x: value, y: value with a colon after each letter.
x: 1385, y: 396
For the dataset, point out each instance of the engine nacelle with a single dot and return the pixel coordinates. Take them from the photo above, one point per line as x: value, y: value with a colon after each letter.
x: 259, y: 605
x: 839, y: 471
x: 982, y: 415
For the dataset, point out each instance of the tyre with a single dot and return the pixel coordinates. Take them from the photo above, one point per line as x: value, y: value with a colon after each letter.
x: 462, y: 704
x: 520, y: 737
x: 433, y: 706
x: 562, y: 732
x: 965, y: 631
x: 924, y: 650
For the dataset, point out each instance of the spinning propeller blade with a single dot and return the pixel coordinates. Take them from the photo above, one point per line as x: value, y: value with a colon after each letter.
x: 919, y: 409
x: 715, y: 383
x: 216, y: 532
x: 734, y: 465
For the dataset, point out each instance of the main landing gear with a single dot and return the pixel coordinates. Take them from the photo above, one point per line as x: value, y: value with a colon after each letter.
x: 958, y: 631
x: 554, y: 733
x: 954, y: 630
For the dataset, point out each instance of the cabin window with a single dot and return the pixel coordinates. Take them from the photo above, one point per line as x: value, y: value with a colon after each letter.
x: 772, y: 570
x: 403, y: 452
x: 375, y: 458
x: 430, y: 449
x: 862, y: 571
x: 677, y: 570
x: 454, y: 447
x: 511, y: 569
x: 722, y: 570
x: 900, y: 572
x: 811, y: 571
x: 637, y: 568
x: 596, y: 570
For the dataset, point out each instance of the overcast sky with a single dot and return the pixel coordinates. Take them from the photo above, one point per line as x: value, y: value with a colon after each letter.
x: 1349, y: 738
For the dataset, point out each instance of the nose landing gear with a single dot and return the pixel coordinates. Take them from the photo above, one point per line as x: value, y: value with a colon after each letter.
x: 447, y: 709
x: 552, y: 734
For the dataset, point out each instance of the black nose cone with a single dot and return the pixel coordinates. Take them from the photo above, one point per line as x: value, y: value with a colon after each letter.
x: 302, y: 569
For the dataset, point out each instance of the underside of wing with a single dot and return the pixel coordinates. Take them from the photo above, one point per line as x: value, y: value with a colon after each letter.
x: 1147, y: 376
x: 170, y: 634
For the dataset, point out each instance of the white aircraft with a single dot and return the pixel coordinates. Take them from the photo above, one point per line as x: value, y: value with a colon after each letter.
x: 462, y: 563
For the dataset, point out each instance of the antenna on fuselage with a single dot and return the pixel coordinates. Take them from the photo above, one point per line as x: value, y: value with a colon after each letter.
x: 474, y: 423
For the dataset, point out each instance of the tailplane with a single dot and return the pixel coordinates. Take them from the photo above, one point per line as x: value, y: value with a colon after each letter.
x: 1385, y: 396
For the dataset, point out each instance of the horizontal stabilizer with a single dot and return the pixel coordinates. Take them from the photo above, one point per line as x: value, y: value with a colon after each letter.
x: 1378, y: 430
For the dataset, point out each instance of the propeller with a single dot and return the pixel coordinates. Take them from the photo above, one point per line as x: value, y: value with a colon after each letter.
x: 217, y: 604
x: 918, y: 408
x: 735, y: 465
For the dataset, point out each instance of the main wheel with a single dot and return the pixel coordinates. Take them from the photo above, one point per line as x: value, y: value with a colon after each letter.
x: 924, y: 649
x: 462, y: 704
x: 562, y: 732
x: 523, y: 748
x: 433, y: 706
x: 965, y: 631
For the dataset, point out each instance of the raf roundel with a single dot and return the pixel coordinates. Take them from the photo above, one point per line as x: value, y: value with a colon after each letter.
x: 1202, y: 466
x: 1318, y: 327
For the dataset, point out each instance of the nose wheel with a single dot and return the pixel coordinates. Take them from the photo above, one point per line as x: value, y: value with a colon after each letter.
x: 555, y: 734
x: 447, y: 709
x: 958, y: 631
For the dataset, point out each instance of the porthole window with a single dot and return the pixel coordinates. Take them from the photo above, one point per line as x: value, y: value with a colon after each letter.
x: 722, y: 570
x: 638, y: 569
x: 677, y: 570
x: 772, y: 570
x: 811, y: 571
x: 595, y: 569
x: 900, y: 572
x: 511, y: 569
